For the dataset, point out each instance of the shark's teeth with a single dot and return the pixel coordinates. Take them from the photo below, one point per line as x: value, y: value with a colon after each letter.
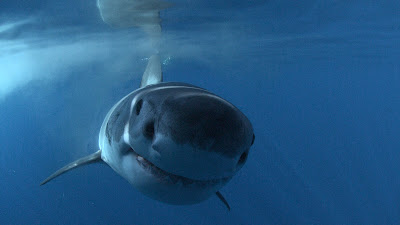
x: 143, y: 162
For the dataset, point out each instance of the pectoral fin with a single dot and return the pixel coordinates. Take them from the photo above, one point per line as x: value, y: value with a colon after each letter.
x: 221, y: 197
x: 92, y: 158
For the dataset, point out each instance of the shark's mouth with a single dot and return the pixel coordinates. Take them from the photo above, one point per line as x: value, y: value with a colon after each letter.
x: 167, y: 177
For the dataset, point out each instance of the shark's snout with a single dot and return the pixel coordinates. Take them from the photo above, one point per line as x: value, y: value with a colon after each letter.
x: 206, y: 122
x: 190, y: 132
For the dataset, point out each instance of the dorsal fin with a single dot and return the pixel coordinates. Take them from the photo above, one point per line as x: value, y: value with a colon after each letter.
x: 152, y: 74
x: 92, y: 158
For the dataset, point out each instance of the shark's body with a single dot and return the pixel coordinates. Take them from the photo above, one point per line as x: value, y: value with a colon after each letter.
x: 174, y: 142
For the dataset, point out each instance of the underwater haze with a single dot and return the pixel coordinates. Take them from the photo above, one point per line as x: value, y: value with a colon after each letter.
x: 319, y: 80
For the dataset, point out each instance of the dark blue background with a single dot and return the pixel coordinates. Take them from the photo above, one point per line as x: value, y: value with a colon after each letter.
x: 320, y: 81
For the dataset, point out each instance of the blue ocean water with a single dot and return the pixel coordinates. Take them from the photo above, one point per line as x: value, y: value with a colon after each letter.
x: 319, y: 81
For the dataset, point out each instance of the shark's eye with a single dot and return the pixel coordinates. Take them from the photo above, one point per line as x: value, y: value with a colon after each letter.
x: 139, y: 106
x: 243, y: 157
x: 252, y: 141
x: 149, y: 130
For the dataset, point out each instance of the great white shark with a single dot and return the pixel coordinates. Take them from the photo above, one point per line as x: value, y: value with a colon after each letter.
x: 174, y: 142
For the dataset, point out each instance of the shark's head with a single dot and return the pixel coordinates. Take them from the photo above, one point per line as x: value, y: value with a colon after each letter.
x: 177, y: 143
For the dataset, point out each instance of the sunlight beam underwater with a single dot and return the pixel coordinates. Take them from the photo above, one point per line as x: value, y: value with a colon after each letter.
x: 174, y: 142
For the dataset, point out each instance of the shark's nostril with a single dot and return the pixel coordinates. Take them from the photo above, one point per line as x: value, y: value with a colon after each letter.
x: 139, y: 106
x: 149, y: 130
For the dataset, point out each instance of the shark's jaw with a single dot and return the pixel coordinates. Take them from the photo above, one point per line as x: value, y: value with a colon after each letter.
x: 159, y: 184
x: 167, y: 177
